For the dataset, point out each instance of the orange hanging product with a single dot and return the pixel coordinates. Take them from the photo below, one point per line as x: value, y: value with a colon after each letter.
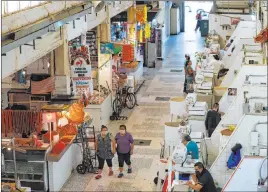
x: 76, y: 113
x: 141, y: 14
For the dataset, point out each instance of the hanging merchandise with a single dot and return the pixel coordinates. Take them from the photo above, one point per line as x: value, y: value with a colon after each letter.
x: 127, y: 53
x: 152, y: 35
x: 131, y: 15
x: 107, y: 48
x: 91, y: 42
x: 76, y: 113
x: 132, y: 34
x: 20, y: 122
x: 141, y: 14
x: 141, y: 35
x: 117, y: 48
x: 147, y: 30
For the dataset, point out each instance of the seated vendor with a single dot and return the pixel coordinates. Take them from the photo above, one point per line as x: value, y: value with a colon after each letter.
x: 191, y: 146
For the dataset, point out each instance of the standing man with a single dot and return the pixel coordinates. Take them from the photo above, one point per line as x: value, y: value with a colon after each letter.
x: 191, y: 146
x: 203, y: 180
x: 198, y: 18
x: 212, y: 119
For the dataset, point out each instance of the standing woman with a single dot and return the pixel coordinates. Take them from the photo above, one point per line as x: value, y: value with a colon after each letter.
x: 187, y: 59
x: 105, y: 147
x: 125, y: 146
x: 189, y: 75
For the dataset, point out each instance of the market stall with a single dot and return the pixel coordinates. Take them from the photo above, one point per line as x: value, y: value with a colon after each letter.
x: 31, y: 166
x: 63, y: 122
x: 47, y: 137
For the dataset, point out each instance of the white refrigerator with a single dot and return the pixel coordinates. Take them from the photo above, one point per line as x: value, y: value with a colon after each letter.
x: 174, y: 21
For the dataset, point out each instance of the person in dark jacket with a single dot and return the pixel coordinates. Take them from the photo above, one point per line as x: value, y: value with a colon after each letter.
x: 212, y: 120
x: 203, y: 181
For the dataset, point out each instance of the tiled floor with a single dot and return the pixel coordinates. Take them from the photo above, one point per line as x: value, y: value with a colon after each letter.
x: 146, y: 121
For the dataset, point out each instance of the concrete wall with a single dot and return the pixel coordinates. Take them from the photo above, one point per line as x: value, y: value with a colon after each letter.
x: 14, y: 60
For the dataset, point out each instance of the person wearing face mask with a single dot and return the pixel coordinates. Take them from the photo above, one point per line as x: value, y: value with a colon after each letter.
x: 212, y: 119
x: 203, y: 180
x: 105, y: 147
x: 125, y: 146
x: 191, y: 146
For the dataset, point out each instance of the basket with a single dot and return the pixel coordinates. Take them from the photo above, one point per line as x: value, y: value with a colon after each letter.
x: 122, y: 82
x: 226, y: 132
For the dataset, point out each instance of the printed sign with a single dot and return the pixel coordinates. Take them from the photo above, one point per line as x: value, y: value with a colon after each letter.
x: 80, y: 69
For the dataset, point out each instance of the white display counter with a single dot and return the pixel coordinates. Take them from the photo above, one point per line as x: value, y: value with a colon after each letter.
x: 100, y: 113
x: 245, y: 48
x: 217, y: 21
x: 248, y: 123
x: 61, y: 168
x: 240, y: 182
x: 239, y: 33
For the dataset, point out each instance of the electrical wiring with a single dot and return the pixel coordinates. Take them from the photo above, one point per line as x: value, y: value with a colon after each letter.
x: 260, y: 172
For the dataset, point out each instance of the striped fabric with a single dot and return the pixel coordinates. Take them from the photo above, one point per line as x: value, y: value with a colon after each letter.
x: 44, y: 86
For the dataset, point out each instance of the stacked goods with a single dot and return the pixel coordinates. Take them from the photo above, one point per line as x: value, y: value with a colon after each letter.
x: 67, y: 139
x: 122, y: 80
x: 131, y: 65
x: 58, y: 148
x: 127, y: 53
x: 115, y: 81
x: 68, y: 129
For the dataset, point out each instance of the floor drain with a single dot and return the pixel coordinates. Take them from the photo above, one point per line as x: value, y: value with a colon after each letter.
x: 162, y: 98
x: 174, y: 70
x: 141, y: 142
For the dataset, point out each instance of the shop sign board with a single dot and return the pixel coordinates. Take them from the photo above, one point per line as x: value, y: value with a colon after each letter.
x: 81, y: 70
x: 107, y: 48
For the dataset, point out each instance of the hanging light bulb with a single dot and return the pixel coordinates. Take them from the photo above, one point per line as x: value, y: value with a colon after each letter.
x: 63, y: 121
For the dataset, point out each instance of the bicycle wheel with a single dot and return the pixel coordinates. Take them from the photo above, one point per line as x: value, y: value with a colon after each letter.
x: 117, y: 106
x: 130, y: 100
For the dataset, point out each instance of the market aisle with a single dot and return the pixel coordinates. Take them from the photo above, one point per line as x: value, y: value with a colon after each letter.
x: 146, y: 122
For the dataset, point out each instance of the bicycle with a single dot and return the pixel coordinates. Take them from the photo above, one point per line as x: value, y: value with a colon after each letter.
x: 124, y: 98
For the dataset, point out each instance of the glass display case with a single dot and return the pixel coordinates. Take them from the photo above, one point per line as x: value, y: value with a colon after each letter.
x: 31, y: 168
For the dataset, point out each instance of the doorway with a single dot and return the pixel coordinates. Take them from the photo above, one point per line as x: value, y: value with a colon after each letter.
x: 191, y: 9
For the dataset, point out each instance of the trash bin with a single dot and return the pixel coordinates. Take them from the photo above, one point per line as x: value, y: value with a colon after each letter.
x: 204, y: 27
